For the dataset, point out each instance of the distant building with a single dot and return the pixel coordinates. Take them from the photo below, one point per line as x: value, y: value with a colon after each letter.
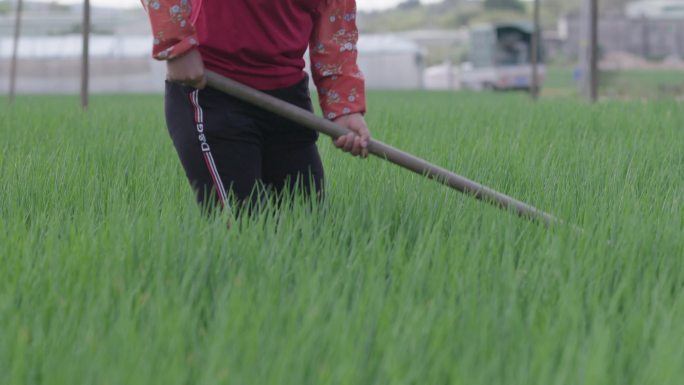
x: 656, y: 9
x: 390, y: 62
x: 644, y: 36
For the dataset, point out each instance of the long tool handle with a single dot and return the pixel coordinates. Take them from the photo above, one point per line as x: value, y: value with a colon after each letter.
x: 377, y: 148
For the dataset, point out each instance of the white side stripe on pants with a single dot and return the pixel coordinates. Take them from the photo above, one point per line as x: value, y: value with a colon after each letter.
x: 206, y: 150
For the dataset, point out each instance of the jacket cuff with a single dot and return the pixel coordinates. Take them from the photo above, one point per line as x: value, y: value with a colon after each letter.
x: 346, y: 97
x: 177, y: 49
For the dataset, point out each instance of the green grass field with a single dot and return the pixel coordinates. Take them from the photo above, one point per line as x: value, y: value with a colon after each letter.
x: 622, y: 84
x: 109, y: 274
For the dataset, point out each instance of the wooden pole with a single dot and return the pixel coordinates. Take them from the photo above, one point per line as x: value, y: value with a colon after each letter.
x: 645, y: 38
x: 589, y: 50
x: 593, y: 52
x: 15, y: 52
x: 85, y: 65
x: 379, y: 149
x: 536, y: 35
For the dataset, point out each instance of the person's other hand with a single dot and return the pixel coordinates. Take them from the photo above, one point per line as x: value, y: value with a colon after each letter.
x: 355, y: 142
x: 187, y: 70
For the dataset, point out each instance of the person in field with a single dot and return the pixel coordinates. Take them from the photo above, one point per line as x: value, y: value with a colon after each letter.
x: 227, y: 147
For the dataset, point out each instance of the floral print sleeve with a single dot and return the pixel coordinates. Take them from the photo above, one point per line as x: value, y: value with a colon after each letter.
x: 333, y: 53
x: 173, y: 33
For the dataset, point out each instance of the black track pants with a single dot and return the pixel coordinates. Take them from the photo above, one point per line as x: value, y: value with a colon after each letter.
x: 233, y: 151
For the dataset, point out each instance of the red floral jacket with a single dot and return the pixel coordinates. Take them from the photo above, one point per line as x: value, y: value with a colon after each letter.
x: 262, y: 43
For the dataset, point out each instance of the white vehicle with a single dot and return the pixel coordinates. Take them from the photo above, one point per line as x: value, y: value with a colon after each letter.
x: 500, y: 57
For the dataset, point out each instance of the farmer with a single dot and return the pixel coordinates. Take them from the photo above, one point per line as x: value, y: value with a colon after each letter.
x: 229, y: 148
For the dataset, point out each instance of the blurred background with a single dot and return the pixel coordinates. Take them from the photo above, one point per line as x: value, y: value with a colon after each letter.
x: 485, y: 45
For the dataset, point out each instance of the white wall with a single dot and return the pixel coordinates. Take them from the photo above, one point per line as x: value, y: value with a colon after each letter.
x: 388, y: 70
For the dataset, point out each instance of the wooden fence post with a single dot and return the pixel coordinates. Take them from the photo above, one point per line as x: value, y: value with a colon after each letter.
x: 15, y: 52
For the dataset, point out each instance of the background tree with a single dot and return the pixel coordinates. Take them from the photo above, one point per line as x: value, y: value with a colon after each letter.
x: 513, y: 5
x: 409, y: 4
